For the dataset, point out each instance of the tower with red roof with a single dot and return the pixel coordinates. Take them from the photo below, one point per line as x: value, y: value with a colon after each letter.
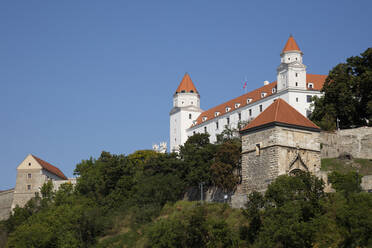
x: 186, y: 108
x: 279, y: 141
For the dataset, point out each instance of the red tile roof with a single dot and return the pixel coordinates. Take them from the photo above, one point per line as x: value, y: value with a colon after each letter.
x: 186, y: 85
x: 51, y: 168
x: 317, y: 80
x: 280, y: 112
x: 255, y: 95
x: 291, y: 45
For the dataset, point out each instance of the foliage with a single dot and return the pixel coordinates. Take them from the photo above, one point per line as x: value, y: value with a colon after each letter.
x: 347, y: 94
x: 346, y: 183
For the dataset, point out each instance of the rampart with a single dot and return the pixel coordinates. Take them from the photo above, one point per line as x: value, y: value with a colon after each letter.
x: 6, y: 198
x: 356, y: 142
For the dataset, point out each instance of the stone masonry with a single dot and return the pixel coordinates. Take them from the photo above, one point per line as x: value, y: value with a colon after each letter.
x: 356, y: 141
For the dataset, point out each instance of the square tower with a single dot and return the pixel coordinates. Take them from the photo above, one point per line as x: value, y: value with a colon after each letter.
x: 279, y: 141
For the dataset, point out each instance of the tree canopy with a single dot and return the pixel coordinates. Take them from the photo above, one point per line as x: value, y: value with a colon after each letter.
x: 347, y: 95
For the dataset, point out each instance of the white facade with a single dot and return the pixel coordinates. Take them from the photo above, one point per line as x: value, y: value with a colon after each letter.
x: 186, y: 108
x: 293, y: 85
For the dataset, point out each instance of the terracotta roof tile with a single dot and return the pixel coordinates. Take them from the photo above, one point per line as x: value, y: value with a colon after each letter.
x: 255, y: 95
x: 50, y: 168
x: 186, y: 85
x: 280, y: 112
x: 291, y: 45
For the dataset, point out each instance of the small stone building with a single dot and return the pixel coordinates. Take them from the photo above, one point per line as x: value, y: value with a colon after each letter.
x: 279, y: 141
x: 32, y: 173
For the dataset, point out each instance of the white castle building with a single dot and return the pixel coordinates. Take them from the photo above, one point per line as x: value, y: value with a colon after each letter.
x: 293, y: 85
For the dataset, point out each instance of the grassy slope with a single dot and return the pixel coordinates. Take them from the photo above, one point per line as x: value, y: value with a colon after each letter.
x: 128, y: 236
x: 363, y: 166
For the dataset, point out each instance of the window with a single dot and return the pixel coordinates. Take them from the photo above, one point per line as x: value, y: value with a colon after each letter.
x: 296, y: 84
x: 190, y: 116
x: 205, y: 129
x: 240, y: 116
x: 310, y: 85
x: 258, y: 148
x: 263, y: 94
x: 216, y: 114
x: 228, y: 120
x: 192, y: 103
x: 296, y: 58
x: 29, y: 164
x: 204, y: 118
x: 193, y: 132
x: 250, y: 112
x: 228, y: 109
x: 261, y: 108
x: 216, y: 124
x: 296, y: 74
x: 308, y: 98
x: 182, y: 102
x: 296, y: 99
x: 249, y: 100
x: 29, y: 187
x: 191, y: 91
x: 237, y: 105
x: 308, y: 113
x: 183, y: 91
x: 273, y: 90
x: 289, y: 58
x: 29, y: 175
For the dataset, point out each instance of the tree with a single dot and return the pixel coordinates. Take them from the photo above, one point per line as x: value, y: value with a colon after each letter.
x: 198, y: 154
x: 347, y: 94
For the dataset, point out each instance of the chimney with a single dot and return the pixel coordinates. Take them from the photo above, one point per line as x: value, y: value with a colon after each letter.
x: 266, y: 82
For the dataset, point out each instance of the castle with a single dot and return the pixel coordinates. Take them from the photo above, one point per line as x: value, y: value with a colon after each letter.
x: 293, y: 84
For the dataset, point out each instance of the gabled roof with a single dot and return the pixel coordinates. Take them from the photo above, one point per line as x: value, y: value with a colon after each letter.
x: 280, y: 112
x: 255, y: 95
x: 291, y: 45
x: 186, y: 85
x: 51, y: 168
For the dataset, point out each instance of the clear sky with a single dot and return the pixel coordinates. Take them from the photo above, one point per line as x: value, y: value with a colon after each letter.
x: 79, y: 77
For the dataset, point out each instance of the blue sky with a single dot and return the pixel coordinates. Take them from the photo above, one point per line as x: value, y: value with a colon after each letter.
x: 79, y: 77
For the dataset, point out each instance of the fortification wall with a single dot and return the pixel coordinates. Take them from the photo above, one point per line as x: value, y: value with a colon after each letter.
x: 356, y: 141
x: 6, y: 198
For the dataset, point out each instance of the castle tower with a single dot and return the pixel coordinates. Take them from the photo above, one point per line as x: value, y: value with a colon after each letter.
x: 279, y: 141
x: 291, y: 73
x: 32, y: 173
x: 186, y: 108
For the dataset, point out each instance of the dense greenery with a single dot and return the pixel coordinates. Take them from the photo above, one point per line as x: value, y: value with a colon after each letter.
x: 347, y: 94
x: 134, y: 201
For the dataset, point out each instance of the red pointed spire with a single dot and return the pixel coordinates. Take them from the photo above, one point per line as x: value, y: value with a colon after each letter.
x: 186, y: 85
x: 291, y: 45
x: 281, y: 112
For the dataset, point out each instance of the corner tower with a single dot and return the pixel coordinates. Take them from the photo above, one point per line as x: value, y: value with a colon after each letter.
x: 186, y: 108
x: 291, y: 73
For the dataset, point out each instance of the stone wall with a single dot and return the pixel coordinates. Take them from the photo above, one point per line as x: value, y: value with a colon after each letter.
x: 367, y: 183
x: 6, y: 198
x: 356, y: 141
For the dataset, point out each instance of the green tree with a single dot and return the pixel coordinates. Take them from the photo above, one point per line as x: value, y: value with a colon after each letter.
x: 198, y: 153
x: 347, y: 94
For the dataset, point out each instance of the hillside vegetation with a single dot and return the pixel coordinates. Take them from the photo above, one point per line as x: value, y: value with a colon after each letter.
x: 362, y: 166
x: 136, y: 201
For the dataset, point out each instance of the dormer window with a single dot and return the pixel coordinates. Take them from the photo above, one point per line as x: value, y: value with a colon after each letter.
x: 310, y: 85
x: 237, y: 105
x: 216, y: 114
x: 183, y: 91
x: 263, y: 94
x: 204, y: 118
x: 249, y: 100
x: 228, y: 109
x: 191, y: 91
x: 194, y: 122
x: 273, y: 90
